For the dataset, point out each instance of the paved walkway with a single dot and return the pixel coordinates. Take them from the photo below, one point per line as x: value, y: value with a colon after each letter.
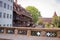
x: 24, y: 37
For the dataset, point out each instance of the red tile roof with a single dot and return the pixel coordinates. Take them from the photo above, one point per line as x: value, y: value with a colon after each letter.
x: 21, y: 10
x: 47, y: 20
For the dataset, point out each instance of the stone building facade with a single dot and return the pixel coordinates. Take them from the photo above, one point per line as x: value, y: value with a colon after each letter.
x: 6, y: 13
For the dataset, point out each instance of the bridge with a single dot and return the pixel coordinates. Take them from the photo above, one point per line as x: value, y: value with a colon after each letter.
x: 28, y: 33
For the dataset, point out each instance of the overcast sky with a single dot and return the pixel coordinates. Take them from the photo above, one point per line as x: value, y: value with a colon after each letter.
x: 46, y: 7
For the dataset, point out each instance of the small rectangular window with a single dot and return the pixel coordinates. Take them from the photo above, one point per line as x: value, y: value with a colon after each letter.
x: 7, y: 24
x: 11, y: 0
x: 4, y: 15
x: 7, y: 15
x: 4, y: 5
x: 8, y: 0
x: 10, y: 16
x: 4, y: 25
x: 10, y: 24
x: 7, y: 6
x: 10, y: 7
x: 0, y: 3
x: 0, y: 14
x: 0, y: 24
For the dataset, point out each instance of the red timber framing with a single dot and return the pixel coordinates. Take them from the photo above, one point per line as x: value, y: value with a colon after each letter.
x: 21, y: 17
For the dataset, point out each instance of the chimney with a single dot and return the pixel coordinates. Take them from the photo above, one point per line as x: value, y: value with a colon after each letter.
x: 15, y: 1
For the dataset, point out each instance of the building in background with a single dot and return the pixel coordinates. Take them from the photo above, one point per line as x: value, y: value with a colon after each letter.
x: 21, y: 17
x: 42, y: 22
x: 49, y: 20
x: 6, y: 13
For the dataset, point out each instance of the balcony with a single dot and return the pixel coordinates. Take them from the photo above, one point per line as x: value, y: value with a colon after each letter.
x: 16, y: 33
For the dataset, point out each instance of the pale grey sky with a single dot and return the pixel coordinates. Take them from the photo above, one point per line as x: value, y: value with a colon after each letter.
x: 46, y: 7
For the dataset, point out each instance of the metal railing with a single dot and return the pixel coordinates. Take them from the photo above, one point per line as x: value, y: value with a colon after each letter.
x: 28, y: 31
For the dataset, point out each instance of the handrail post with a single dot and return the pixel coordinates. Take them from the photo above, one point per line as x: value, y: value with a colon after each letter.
x: 4, y: 30
x: 58, y: 34
x: 16, y: 31
x: 28, y: 32
x: 43, y: 33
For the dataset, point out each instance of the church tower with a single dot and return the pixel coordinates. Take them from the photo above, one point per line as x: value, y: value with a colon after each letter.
x: 55, y: 14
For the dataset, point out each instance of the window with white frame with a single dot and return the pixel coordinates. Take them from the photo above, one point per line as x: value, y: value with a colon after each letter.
x: 10, y: 7
x: 4, y: 25
x: 0, y: 3
x: 10, y: 16
x: 7, y: 6
x: 4, y: 15
x: 11, y: 0
x: 4, y: 5
x: 0, y: 14
x: 7, y: 15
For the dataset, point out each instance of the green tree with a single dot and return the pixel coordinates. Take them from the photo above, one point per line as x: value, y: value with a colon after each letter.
x: 47, y: 25
x: 55, y: 21
x: 34, y: 11
x: 40, y: 21
x: 59, y: 21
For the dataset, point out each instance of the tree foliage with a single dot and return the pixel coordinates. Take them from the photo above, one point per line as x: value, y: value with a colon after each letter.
x: 56, y: 21
x: 47, y: 25
x: 40, y: 21
x: 59, y: 21
x: 34, y: 11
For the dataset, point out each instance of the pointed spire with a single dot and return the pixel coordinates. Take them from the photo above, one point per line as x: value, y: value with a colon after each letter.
x: 55, y: 14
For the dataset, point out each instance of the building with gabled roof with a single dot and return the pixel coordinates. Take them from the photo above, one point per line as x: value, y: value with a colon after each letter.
x: 49, y: 20
x: 6, y: 13
x: 21, y: 17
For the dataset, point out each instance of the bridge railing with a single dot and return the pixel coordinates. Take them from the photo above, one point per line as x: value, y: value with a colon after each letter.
x: 40, y: 32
